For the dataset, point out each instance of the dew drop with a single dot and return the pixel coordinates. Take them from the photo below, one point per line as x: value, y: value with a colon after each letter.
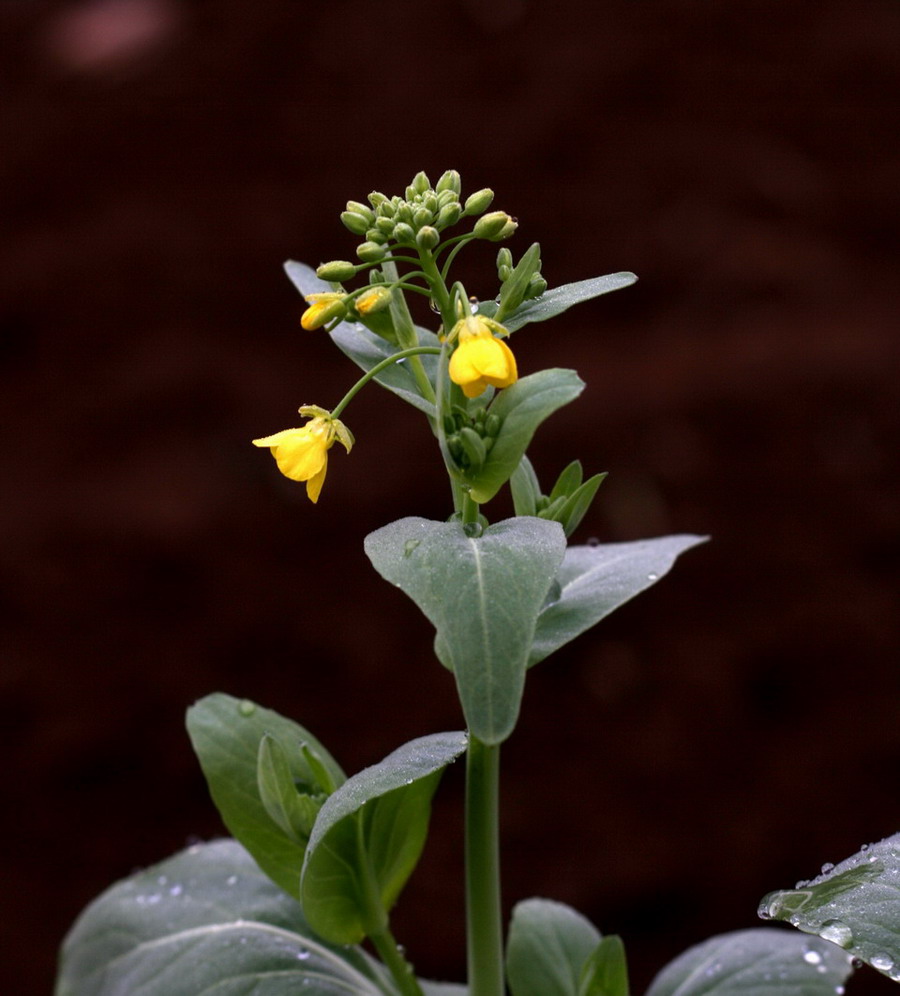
x: 882, y: 961
x: 837, y: 932
x: 231, y: 880
x: 593, y: 541
x: 246, y: 707
x: 302, y: 954
x: 176, y: 890
x: 827, y: 867
x: 409, y: 546
x: 473, y: 529
x: 812, y: 957
x: 652, y: 577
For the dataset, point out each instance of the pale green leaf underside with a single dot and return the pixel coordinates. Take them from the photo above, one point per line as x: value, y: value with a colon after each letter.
x: 205, y: 921
x: 393, y: 799
x: 856, y: 905
x: 366, y: 348
x: 595, y: 580
x: 548, y: 946
x: 226, y: 733
x: 559, y: 299
x: 760, y: 962
x: 482, y: 595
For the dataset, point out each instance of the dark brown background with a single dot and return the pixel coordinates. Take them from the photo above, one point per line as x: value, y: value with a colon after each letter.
x: 723, y: 735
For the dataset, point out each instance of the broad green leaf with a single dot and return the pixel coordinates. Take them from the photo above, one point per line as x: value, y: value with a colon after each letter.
x: 521, y: 408
x: 226, y: 733
x: 548, y: 946
x: 855, y: 904
x: 369, y: 835
x: 366, y: 348
x: 482, y: 594
x: 559, y: 299
x: 760, y: 962
x: 605, y: 973
x: 206, y: 920
x: 594, y: 580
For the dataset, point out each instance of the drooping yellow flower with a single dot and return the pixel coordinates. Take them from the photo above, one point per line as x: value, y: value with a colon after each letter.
x: 480, y: 358
x: 322, y: 309
x: 302, y: 454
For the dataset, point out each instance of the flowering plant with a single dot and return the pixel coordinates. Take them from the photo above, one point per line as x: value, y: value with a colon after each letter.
x: 318, y: 859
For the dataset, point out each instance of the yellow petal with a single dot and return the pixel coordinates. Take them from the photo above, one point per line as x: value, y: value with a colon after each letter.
x: 314, y: 484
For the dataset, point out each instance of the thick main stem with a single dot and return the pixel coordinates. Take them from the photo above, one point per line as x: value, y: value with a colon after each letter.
x: 483, y: 924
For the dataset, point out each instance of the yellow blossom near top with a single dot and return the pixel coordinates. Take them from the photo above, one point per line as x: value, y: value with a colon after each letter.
x: 480, y: 359
x: 302, y: 454
x: 322, y: 308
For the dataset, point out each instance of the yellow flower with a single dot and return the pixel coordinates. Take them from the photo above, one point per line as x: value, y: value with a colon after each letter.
x: 480, y: 359
x: 322, y: 309
x: 302, y: 454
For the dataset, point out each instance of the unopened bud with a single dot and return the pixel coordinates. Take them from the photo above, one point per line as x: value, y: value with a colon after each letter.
x: 338, y: 270
x: 491, y: 225
x: 479, y: 202
x: 422, y: 217
x: 421, y: 183
x: 371, y: 252
x: 376, y: 198
x: 377, y: 236
x: 323, y: 308
x: 404, y: 232
x: 449, y: 214
x: 428, y: 237
x: 385, y: 225
x: 374, y: 300
x: 505, y: 232
x: 357, y: 223
x: 449, y: 181
x: 362, y: 209
x: 536, y: 287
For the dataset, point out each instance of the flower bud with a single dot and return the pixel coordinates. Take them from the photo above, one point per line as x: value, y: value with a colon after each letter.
x: 385, y: 225
x: 377, y: 236
x: 491, y: 225
x: 371, y: 252
x: 504, y: 257
x: 362, y: 209
x: 428, y: 237
x: 505, y: 232
x: 422, y: 217
x: 357, y: 223
x: 479, y: 202
x: 449, y: 181
x: 323, y: 308
x: 421, y: 183
x: 372, y: 301
x: 449, y: 214
x: 376, y: 198
x: 336, y: 271
x: 536, y: 287
x: 404, y: 232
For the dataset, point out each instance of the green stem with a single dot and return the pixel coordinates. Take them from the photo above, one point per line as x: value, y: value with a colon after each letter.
x: 415, y: 352
x: 439, y: 289
x: 396, y: 964
x: 483, y: 923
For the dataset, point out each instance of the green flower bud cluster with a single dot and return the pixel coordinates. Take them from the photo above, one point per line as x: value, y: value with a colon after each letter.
x: 470, y: 437
x: 417, y: 220
x: 568, y: 501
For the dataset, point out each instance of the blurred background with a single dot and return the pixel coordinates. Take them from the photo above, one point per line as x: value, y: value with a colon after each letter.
x: 723, y: 735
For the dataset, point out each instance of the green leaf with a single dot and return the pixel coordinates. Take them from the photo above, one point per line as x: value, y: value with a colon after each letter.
x: 579, y: 502
x: 605, y: 973
x: 206, y: 920
x: 293, y: 811
x: 855, y: 904
x: 525, y: 488
x: 366, y: 348
x: 226, y: 733
x: 559, y: 299
x: 521, y: 408
x: 761, y: 962
x: 548, y: 946
x: 369, y: 836
x: 482, y: 594
x: 568, y: 481
x: 594, y: 580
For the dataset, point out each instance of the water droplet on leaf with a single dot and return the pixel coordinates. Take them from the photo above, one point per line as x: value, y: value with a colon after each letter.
x: 837, y: 932
x: 246, y: 707
x: 882, y: 961
x: 812, y: 957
